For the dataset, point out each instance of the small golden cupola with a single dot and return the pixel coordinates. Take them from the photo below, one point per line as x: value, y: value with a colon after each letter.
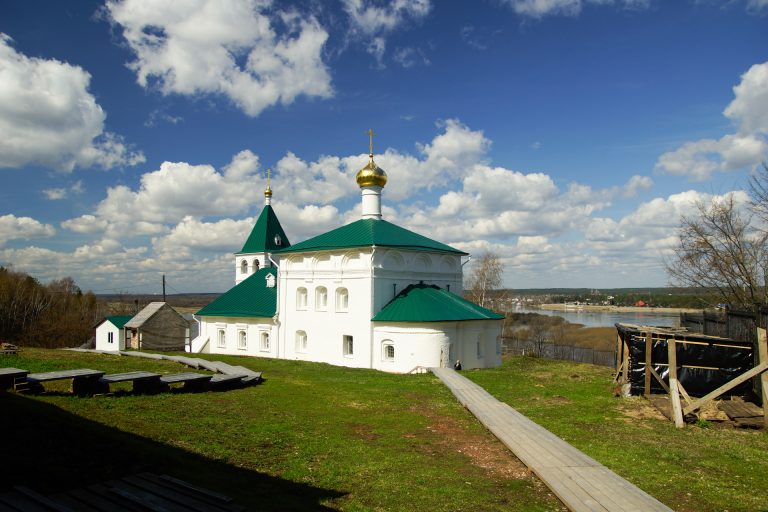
x: 268, y: 190
x: 371, y: 174
x: 371, y: 179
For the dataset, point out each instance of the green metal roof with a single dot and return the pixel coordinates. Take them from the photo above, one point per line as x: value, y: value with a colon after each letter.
x: 262, y: 237
x: 249, y: 298
x: 369, y: 232
x: 119, y: 321
x: 430, y: 303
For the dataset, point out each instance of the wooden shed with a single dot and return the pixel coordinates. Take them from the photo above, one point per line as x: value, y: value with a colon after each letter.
x: 157, y: 327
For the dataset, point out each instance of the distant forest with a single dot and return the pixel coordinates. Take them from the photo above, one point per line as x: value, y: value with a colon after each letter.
x: 57, y: 314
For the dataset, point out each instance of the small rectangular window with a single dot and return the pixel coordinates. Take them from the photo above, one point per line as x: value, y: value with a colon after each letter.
x: 110, y: 337
x: 349, y: 347
x: 301, y: 341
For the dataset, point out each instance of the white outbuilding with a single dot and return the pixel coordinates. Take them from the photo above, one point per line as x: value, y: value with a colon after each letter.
x: 369, y: 294
x: 110, y: 333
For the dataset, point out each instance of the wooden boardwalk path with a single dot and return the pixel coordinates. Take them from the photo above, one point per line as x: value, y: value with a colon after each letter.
x: 581, y: 483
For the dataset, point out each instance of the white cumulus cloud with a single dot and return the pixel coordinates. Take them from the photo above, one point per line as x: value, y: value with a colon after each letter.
x: 48, y: 117
x: 225, y: 47
x: 698, y: 160
x: 13, y: 227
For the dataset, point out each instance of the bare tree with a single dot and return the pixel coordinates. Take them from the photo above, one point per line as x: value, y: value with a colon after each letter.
x: 487, y: 272
x: 725, y: 248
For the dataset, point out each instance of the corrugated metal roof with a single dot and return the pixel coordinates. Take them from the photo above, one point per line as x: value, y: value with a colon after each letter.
x: 369, y: 232
x: 262, y: 237
x: 429, y: 303
x: 144, y: 315
x: 119, y: 321
x: 250, y: 298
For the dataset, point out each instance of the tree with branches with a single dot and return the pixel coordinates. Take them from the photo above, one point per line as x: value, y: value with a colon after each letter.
x: 723, y: 247
x: 486, y: 276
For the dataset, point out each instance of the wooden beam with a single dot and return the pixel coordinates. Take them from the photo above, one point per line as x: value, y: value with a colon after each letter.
x: 619, y: 357
x: 674, y: 395
x: 661, y: 381
x: 625, y: 361
x: 648, y: 363
x: 762, y: 353
x: 683, y: 392
x: 727, y: 386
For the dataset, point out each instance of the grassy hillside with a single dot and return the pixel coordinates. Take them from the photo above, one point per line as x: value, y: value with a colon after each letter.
x: 317, y: 437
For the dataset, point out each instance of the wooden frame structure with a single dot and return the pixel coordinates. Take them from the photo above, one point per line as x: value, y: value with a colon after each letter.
x: 681, y: 402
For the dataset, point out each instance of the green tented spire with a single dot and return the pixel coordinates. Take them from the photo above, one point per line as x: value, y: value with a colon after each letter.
x: 267, y: 235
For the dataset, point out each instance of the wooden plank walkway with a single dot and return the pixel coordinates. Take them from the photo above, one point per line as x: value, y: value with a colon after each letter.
x: 581, y: 483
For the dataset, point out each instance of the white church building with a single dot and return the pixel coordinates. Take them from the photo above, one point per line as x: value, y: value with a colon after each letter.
x: 369, y: 294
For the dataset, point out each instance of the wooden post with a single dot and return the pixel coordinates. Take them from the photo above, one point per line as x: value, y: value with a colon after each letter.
x: 674, y: 394
x: 762, y: 354
x: 648, y: 363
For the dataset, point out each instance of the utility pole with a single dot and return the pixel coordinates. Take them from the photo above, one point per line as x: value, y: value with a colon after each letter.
x: 163, y: 287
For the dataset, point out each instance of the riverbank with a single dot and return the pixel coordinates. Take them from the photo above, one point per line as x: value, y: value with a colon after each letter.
x: 615, y: 309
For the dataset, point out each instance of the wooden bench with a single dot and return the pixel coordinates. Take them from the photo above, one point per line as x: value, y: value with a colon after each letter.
x: 10, y: 376
x: 84, y: 380
x: 143, y: 382
x: 192, y: 381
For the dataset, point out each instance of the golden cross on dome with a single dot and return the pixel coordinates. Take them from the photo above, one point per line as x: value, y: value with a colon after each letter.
x: 370, y: 143
x: 269, y: 174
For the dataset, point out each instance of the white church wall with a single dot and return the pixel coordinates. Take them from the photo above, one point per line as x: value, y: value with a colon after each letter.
x: 239, y: 336
x: 109, y: 337
x: 325, y: 323
x: 395, y: 269
x: 248, y: 264
x: 436, y: 344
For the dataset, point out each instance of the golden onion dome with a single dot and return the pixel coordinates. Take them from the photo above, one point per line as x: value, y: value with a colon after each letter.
x: 371, y: 175
x: 268, y: 192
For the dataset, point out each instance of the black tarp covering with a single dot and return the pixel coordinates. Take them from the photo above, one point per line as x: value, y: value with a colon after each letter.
x: 731, y: 358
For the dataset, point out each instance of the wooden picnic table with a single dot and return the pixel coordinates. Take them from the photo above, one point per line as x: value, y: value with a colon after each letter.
x: 9, y: 376
x: 84, y: 380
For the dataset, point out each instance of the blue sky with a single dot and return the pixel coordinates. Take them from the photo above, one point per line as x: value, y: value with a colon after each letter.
x: 568, y: 136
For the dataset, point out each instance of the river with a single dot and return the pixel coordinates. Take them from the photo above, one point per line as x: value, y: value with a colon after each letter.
x: 609, y: 318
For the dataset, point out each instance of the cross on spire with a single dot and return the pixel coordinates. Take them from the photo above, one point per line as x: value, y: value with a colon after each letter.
x: 269, y: 175
x: 370, y: 143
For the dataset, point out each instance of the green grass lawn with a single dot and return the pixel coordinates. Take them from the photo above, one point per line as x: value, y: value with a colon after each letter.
x: 318, y: 437
x: 699, y: 468
x: 311, y: 437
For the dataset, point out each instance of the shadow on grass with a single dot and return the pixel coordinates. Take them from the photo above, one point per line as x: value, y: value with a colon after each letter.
x: 51, y: 450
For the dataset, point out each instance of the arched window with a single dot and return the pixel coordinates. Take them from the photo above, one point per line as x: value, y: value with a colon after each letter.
x: 342, y: 299
x: 301, y: 341
x: 242, y: 339
x: 387, y: 350
x: 221, y: 339
x: 264, y: 341
x: 255, y: 265
x: 321, y: 298
x: 244, y: 267
x: 301, y: 298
